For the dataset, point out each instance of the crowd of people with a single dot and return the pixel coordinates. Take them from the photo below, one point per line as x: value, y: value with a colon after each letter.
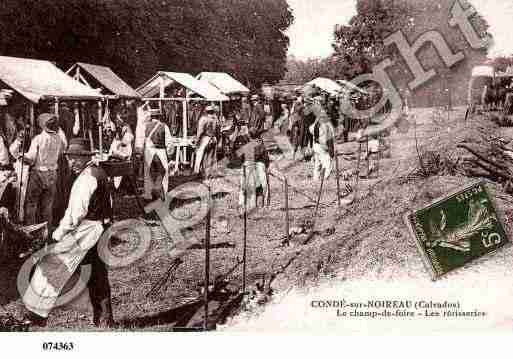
x: 69, y: 187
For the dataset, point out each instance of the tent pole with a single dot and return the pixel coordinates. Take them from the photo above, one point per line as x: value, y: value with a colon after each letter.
x: 32, y: 119
x: 184, y: 131
x: 56, y: 107
x: 161, y: 92
x: 207, y: 256
x: 100, y: 128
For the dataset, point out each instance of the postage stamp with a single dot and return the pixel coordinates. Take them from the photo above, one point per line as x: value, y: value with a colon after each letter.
x: 457, y: 229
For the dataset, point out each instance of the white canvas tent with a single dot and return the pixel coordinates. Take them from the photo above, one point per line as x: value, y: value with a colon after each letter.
x: 352, y: 87
x: 334, y: 87
x: 41, y: 80
x: 104, y: 76
x: 325, y: 84
x: 484, y: 71
x: 35, y: 81
x: 154, y: 90
x: 156, y: 85
x: 224, y: 83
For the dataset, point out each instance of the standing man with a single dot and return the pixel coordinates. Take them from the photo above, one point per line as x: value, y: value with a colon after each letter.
x: 245, y: 112
x: 66, y: 120
x: 296, y: 124
x: 43, y: 157
x: 257, y: 118
x: 121, y: 147
x: 206, y: 154
x: 77, y: 236
x: 255, y: 162
x: 7, y: 173
x: 323, y: 146
x: 157, y: 145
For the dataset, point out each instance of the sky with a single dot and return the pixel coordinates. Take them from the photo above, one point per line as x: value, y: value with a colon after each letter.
x: 311, y: 34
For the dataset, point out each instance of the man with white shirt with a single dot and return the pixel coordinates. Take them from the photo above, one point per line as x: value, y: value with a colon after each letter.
x: 323, y: 145
x: 77, y: 236
x: 43, y: 157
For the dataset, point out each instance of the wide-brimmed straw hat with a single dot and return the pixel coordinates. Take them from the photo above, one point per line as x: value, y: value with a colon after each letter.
x: 79, y: 147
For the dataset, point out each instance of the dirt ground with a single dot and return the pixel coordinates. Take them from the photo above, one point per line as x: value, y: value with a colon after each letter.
x: 365, y: 239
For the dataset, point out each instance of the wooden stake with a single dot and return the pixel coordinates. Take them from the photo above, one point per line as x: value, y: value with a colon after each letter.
x: 100, y: 128
x: 338, y: 179
x: 268, y: 187
x: 245, y: 229
x: 358, y: 160
x: 56, y: 107
x: 287, y: 219
x: 207, y: 256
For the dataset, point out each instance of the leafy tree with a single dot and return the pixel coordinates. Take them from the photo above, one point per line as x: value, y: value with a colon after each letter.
x: 358, y: 46
x: 138, y: 38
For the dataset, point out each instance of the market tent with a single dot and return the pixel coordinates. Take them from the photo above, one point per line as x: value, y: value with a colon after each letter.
x: 37, y: 79
x: 351, y: 86
x: 105, y: 77
x: 223, y: 82
x: 483, y: 70
x: 325, y: 84
x: 161, y: 80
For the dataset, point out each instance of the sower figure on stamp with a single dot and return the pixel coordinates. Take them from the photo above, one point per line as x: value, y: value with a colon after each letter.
x: 77, y: 236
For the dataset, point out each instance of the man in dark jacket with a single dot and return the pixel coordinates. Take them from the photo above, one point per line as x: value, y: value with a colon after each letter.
x: 257, y: 118
x: 77, y: 236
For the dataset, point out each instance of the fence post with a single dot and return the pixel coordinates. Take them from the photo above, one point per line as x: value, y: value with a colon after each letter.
x: 338, y: 179
x: 207, y: 256
x: 287, y: 223
x: 244, y: 191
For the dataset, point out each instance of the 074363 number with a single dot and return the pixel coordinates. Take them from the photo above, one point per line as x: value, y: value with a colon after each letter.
x: 49, y: 346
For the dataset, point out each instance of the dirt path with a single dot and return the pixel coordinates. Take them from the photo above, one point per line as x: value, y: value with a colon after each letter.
x: 373, y: 257
x: 367, y: 239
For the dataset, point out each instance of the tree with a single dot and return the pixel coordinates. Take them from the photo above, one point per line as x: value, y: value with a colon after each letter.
x: 138, y: 38
x: 358, y: 46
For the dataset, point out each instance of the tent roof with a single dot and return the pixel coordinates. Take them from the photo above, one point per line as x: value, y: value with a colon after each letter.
x: 325, y: 84
x: 334, y: 87
x: 108, y: 79
x: 224, y: 82
x: 38, y: 79
x: 202, y: 88
x: 483, y: 70
x: 351, y: 86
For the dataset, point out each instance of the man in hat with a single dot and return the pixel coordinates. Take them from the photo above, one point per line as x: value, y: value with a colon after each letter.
x: 66, y: 120
x: 296, y: 124
x: 77, y: 236
x: 206, y: 154
x: 257, y: 117
x: 157, y: 145
x: 255, y: 162
x: 43, y: 156
x: 323, y: 146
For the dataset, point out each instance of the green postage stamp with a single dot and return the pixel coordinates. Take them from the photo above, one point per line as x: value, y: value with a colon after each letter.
x: 457, y: 229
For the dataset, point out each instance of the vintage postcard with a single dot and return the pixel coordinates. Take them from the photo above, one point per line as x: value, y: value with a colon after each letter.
x: 172, y: 166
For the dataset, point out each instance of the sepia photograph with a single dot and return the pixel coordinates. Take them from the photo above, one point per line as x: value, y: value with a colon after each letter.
x: 255, y: 166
